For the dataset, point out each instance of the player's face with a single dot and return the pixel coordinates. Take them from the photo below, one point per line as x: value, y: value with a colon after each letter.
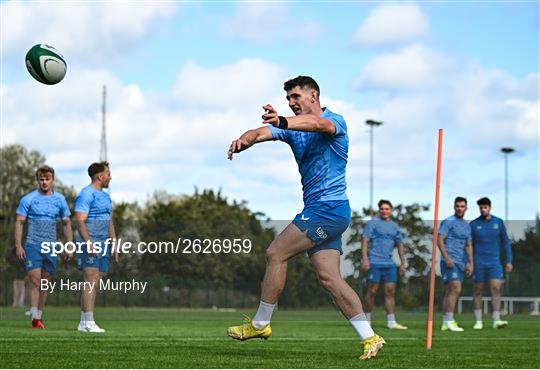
x: 385, y: 211
x: 45, y: 182
x: 105, y: 177
x: 485, y: 210
x: 301, y: 100
x: 460, y: 208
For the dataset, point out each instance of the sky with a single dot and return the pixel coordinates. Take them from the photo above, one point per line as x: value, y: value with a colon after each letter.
x: 186, y: 78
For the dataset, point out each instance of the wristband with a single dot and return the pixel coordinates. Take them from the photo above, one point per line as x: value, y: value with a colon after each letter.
x: 283, y: 123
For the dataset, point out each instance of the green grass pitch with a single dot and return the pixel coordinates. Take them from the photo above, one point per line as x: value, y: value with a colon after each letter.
x: 178, y: 338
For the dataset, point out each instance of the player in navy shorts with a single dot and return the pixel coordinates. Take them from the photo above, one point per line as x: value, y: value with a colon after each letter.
x: 319, y: 141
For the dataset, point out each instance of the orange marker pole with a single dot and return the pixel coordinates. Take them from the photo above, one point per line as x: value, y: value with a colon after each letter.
x: 434, y: 247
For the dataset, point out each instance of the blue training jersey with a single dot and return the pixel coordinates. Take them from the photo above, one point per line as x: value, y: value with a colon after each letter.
x: 383, y: 236
x: 321, y: 159
x: 488, y: 236
x: 98, y: 205
x: 457, y: 233
x: 42, y: 213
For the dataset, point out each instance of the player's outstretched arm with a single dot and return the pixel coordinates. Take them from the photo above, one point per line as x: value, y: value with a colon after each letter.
x: 248, y: 139
x: 301, y: 122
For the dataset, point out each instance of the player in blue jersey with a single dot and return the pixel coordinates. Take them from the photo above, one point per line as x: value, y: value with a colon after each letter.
x: 41, y: 208
x: 488, y: 237
x: 93, y: 215
x: 379, y: 238
x: 319, y: 141
x: 454, y: 242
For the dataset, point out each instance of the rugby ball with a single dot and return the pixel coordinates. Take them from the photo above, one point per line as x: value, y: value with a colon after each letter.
x: 45, y: 64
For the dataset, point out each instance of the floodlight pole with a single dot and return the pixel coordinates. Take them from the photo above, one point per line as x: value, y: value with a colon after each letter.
x: 506, y: 151
x: 371, y: 123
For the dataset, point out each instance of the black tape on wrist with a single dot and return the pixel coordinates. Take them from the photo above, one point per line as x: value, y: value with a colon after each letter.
x: 283, y: 123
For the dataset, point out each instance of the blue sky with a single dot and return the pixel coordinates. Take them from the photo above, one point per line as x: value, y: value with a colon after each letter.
x: 185, y: 79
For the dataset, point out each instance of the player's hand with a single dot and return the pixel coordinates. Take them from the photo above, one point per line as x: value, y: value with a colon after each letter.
x: 469, y: 269
x: 508, y: 268
x: 402, y: 270
x: 365, y: 264
x: 68, y: 256
x: 270, y: 116
x: 237, y: 146
x: 449, y: 263
x: 19, y: 251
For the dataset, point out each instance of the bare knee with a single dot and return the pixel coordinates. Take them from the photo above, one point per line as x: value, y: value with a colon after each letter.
x: 372, y: 290
x: 329, y: 282
x: 273, y: 254
x: 496, y: 290
x: 478, y: 290
x: 455, y: 288
x: 389, y: 291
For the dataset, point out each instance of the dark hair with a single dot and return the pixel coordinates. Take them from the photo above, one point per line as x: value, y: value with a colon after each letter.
x: 460, y: 199
x: 301, y: 81
x: 484, y: 202
x: 384, y: 201
x: 43, y: 170
x: 97, y: 167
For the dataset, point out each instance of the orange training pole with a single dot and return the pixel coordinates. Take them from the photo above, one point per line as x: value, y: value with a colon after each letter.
x: 434, y: 248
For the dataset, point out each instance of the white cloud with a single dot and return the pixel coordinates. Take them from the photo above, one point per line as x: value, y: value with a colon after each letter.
x: 413, y: 66
x: 267, y: 21
x: 95, y: 30
x: 243, y: 83
x: 391, y: 24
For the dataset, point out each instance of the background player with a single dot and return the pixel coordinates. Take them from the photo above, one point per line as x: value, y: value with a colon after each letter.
x: 379, y: 238
x: 319, y: 141
x: 42, y: 208
x: 456, y: 248
x: 93, y: 214
x: 488, y: 236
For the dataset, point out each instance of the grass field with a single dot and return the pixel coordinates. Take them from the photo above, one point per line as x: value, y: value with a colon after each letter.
x: 149, y: 337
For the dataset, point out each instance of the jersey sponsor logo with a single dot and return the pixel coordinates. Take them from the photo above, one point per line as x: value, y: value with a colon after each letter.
x: 322, y: 234
x: 495, y: 226
x: 479, y: 227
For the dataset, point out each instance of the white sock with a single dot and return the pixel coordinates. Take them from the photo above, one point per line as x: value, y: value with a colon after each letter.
x: 88, y: 316
x: 496, y: 315
x: 39, y: 313
x: 478, y: 315
x: 449, y: 316
x: 368, y: 316
x: 391, y: 318
x: 82, y: 316
x: 360, y: 323
x: 33, y: 312
x: 263, y: 315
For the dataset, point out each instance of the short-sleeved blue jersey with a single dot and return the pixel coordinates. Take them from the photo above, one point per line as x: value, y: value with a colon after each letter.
x: 98, y: 205
x: 383, y: 236
x: 488, y: 236
x: 321, y: 159
x: 457, y: 233
x: 42, y: 213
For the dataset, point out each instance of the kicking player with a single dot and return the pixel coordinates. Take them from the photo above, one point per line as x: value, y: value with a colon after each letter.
x: 319, y: 141
x: 381, y: 235
x: 488, y: 236
x: 93, y: 215
x: 42, y: 208
x: 456, y: 248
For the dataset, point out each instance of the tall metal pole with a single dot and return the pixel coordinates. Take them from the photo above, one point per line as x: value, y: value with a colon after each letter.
x: 103, y: 142
x: 371, y: 123
x: 506, y: 151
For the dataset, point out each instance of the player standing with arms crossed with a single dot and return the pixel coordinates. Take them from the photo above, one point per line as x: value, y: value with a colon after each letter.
x: 488, y: 236
x: 454, y: 242
x: 93, y: 215
x: 379, y: 238
x: 319, y: 141
x: 42, y: 208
